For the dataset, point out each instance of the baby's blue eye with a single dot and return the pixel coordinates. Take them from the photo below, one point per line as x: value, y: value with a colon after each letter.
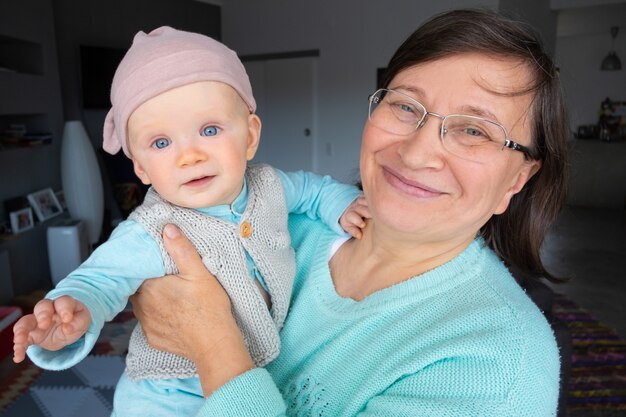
x: 161, y: 143
x: 210, y: 131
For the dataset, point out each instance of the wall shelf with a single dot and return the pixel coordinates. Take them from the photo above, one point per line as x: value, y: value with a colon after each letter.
x: 62, y: 217
x: 8, y: 147
x: 37, y: 131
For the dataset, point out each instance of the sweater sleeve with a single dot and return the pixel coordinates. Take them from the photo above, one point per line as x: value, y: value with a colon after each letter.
x: 319, y: 197
x: 417, y: 395
x: 103, y: 283
x: 445, y: 389
x: 253, y: 393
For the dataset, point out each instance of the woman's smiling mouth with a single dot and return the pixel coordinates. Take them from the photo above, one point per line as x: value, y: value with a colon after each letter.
x: 408, y: 186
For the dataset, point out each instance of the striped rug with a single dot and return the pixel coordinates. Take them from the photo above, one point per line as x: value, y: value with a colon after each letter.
x: 597, y: 385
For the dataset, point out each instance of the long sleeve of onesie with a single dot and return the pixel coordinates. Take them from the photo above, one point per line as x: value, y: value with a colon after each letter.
x: 103, y: 283
x: 317, y: 196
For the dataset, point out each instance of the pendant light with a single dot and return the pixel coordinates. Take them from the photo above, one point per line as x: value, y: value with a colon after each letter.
x: 612, y: 62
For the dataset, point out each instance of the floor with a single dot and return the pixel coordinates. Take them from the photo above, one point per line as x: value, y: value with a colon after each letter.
x: 589, y: 246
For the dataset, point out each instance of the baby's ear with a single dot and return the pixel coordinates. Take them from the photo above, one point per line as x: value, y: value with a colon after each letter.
x: 254, y: 135
x: 141, y: 174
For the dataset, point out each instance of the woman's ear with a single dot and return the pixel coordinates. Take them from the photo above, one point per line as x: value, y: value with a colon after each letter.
x: 526, y: 172
x: 254, y: 135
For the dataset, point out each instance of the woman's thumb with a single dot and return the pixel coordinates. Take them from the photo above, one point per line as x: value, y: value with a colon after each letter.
x: 183, y: 252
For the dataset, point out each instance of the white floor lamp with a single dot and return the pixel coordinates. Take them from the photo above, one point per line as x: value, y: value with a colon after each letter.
x: 81, y: 179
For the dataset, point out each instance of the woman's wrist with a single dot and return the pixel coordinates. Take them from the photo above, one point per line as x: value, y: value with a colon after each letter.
x: 225, y: 359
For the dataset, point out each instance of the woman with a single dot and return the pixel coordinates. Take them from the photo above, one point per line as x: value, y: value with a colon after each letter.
x: 462, y: 166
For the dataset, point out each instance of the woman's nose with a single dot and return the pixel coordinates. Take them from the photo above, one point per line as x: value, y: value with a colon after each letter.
x: 423, y: 148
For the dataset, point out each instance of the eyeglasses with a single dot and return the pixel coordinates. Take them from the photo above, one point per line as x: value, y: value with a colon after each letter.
x: 469, y: 137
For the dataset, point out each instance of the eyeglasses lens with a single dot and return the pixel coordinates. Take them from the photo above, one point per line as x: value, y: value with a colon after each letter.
x: 468, y: 137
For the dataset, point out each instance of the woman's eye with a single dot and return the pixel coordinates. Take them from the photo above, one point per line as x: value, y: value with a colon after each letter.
x: 161, y: 143
x: 473, y: 131
x: 210, y: 131
x: 405, y: 112
x: 405, y: 107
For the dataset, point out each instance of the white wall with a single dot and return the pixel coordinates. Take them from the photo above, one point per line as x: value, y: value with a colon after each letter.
x: 354, y: 38
x: 583, y: 40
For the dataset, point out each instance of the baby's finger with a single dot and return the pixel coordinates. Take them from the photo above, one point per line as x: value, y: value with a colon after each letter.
x: 19, y: 353
x: 80, y: 322
x: 21, y: 331
x: 355, y: 219
x: 44, y: 311
x: 24, y: 325
x: 362, y: 207
x: 27, y: 332
x: 354, y: 231
x: 363, y: 211
x: 360, y: 201
x: 65, y: 307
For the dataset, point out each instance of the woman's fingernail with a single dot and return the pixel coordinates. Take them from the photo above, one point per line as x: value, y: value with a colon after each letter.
x: 171, y: 231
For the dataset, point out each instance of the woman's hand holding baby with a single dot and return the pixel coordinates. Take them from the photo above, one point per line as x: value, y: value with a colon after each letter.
x: 202, y: 328
x: 53, y: 325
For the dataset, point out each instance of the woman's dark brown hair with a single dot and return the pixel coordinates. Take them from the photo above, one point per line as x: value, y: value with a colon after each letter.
x: 516, y: 235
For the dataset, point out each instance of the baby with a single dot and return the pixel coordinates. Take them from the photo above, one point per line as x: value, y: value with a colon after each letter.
x: 183, y: 112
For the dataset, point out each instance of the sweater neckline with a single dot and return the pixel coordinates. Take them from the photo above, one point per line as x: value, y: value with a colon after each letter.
x: 431, y: 283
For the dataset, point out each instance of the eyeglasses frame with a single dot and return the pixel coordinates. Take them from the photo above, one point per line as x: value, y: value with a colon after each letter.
x: 508, y: 143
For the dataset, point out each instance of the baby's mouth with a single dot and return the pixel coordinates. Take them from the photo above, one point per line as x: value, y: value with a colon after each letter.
x: 199, y: 181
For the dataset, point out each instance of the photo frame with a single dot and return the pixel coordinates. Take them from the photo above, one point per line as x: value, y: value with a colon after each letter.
x: 61, y: 199
x: 21, y: 220
x: 45, y: 204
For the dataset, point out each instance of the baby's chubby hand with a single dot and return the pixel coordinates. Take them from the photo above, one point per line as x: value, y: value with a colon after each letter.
x: 352, y: 220
x: 53, y: 325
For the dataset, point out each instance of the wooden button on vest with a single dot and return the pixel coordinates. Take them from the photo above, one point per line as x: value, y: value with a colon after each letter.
x: 245, y: 229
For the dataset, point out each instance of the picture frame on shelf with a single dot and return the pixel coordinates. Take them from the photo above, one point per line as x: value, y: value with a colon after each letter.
x: 61, y: 199
x: 21, y: 220
x: 45, y: 204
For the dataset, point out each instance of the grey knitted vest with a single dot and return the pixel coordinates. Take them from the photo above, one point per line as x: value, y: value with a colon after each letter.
x: 223, y: 246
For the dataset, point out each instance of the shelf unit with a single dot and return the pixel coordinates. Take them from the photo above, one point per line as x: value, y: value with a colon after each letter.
x: 38, y: 225
x: 31, y: 96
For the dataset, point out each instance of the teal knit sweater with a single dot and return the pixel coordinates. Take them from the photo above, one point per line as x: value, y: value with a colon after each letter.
x: 460, y: 340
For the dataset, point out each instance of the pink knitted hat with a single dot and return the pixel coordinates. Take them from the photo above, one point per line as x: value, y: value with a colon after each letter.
x: 163, y: 59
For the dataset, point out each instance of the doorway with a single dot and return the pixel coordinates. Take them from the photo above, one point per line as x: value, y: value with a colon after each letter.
x: 284, y: 86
